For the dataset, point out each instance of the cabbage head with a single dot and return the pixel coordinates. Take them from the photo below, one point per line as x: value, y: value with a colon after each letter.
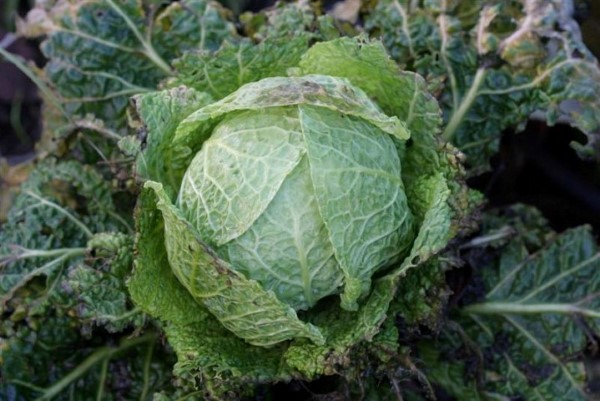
x: 276, y: 222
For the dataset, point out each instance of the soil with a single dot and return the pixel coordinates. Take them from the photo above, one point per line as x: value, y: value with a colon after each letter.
x: 20, y: 105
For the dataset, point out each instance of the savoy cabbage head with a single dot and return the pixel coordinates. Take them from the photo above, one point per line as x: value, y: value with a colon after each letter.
x: 289, y: 210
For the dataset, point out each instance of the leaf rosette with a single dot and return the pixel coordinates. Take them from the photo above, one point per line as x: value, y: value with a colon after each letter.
x: 276, y: 221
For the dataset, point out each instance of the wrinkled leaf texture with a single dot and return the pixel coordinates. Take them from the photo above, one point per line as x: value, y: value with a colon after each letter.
x: 203, y: 346
x: 495, y: 64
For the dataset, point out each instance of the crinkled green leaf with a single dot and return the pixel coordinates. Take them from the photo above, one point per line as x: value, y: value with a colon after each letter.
x: 55, y: 296
x: 319, y: 90
x: 283, y: 35
x: 204, y: 347
x: 98, y: 290
x: 402, y: 94
x: 438, y: 205
x: 397, y: 93
x: 545, y: 306
x: 153, y: 286
x: 241, y: 305
x: 288, y: 249
x: 534, y: 309
x: 161, y: 113
x: 540, y: 64
x: 343, y: 329
x: 230, y: 183
x: 288, y: 20
x: 59, y: 207
x: 101, y: 299
x: 422, y: 295
x: 351, y: 160
x: 236, y: 64
x: 222, y: 361
x: 102, y: 52
x: 232, y: 180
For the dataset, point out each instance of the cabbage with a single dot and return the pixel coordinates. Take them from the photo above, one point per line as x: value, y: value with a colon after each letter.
x: 276, y: 222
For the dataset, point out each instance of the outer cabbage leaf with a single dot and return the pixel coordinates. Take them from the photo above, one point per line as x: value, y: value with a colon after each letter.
x: 535, y: 310
x: 345, y: 329
x: 161, y: 112
x: 546, y: 306
x: 54, y: 296
x: 236, y: 64
x: 325, y: 91
x: 283, y: 33
x: 405, y: 95
x: 206, y: 351
x: 497, y: 64
x: 396, y: 92
x: 241, y: 305
x: 102, y: 52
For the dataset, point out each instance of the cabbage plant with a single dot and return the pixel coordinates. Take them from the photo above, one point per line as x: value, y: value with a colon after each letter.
x: 276, y: 222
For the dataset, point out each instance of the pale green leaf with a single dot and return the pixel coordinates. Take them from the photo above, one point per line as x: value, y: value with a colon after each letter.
x: 355, y: 171
x: 288, y: 248
x: 319, y: 90
x: 235, y: 176
x: 241, y: 305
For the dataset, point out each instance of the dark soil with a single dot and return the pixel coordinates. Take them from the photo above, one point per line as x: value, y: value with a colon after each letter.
x: 20, y: 105
x: 538, y: 167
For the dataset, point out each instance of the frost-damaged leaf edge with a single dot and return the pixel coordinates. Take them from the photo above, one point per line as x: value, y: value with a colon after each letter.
x: 319, y: 90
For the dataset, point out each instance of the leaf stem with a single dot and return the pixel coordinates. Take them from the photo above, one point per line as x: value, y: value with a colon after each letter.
x: 444, y: 56
x: 507, y: 308
x: 148, y: 49
x: 103, y: 131
x: 147, y: 364
x: 41, y: 253
x: 102, y: 381
x: 405, y: 27
x: 465, y: 105
x: 484, y: 240
x: 101, y: 355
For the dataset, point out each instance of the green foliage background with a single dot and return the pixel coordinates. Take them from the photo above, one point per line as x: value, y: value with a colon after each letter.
x: 526, y: 328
